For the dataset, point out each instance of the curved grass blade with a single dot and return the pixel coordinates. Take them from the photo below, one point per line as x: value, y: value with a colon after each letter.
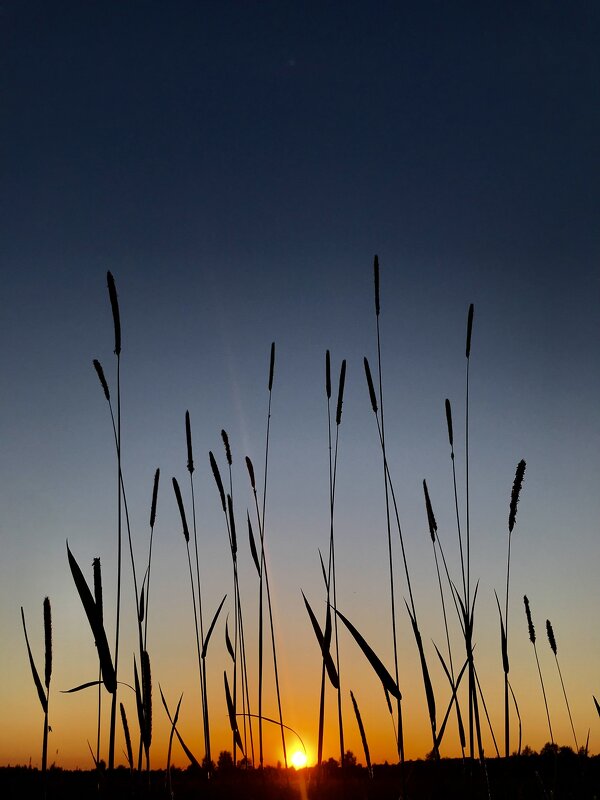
x: 518, y: 717
x: 232, y: 717
x: 442, y: 730
x: 597, y: 704
x: 228, y: 642
x: 127, y: 737
x: 329, y: 665
x: 174, y: 723
x: 34, y: 672
x: 193, y: 760
x: 461, y: 727
x: 95, y: 619
x: 363, y: 735
x: 382, y: 673
x: 211, y: 628
x: 426, y: 678
x: 253, y: 546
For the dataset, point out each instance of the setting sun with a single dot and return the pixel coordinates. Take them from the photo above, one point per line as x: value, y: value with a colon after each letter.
x: 299, y: 759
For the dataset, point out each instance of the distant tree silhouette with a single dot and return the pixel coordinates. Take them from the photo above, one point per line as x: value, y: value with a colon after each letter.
x: 225, y: 761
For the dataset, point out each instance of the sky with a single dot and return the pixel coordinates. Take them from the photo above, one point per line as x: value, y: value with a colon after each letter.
x: 236, y: 166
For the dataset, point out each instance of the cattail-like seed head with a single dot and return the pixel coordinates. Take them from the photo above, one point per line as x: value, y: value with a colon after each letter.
x: 154, y: 498
x: 430, y: 516
x: 328, y: 375
x: 250, y: 473
x: 469, y: 330
x: 186, y: 532
x: 218, y: 481
x: 529, y: 620
x: 227, y: 447
x: 376, y: 277
x: 514, y: 495
x: 188, y: 440
x: 271, y: 365
x: 232, y: 525
x: 114, y: 304
x: 97, y: 573
x: 551, y: 639
x: 48, y: 641
x: 340, y: 399
x: 372, y: 394
x: 449, y: 422
x: 100, y: 373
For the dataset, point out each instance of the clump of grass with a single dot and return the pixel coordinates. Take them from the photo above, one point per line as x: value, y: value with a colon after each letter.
x: 553, y: 647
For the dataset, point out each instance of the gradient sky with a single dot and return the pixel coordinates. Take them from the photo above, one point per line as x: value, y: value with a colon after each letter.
x: 236, y: 165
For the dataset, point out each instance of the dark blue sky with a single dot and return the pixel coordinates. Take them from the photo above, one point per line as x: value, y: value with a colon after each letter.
x: 236, y: 165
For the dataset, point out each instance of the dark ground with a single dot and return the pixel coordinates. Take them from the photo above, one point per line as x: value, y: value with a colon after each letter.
x: 526, y: 777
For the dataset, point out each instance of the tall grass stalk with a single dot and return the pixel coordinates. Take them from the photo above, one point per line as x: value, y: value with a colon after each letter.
x: 97, y: 573
x: 432, y: 525
x: 553, y: 647
x: 512, y: 517
x: 331, y: 572
x: 264, y: 576
x: 148, y: 568
x: 112, y: 292
x: 186, y: 536
x: 200, y: 619
x: 400, y: 741
x: 43, y: 693
x: 411, y: 608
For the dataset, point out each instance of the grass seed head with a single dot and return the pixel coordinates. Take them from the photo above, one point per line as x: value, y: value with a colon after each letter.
x: 376, y: 279
x: 328, y: 375
x: 551, y: 639
x: 372, y: 395
x: 225, y: 438
x: 114, y: 304
x: 514, y: 496
x: 449, y: 422
x: 529, y: 620
x: 154, y: 498
x: 188, y: 440
x: 217, y: 476
x: 271, y: 365
x: 469, y: 330
x: 340, y: 399
x: 184, y: 524
x: 251, y: 473
x: 100, y: 373
x: 430, y: 516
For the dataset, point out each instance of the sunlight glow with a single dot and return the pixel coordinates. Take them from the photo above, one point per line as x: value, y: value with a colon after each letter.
x: 299, y: 759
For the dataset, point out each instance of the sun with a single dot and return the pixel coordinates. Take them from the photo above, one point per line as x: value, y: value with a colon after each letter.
x: 299, y: 759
